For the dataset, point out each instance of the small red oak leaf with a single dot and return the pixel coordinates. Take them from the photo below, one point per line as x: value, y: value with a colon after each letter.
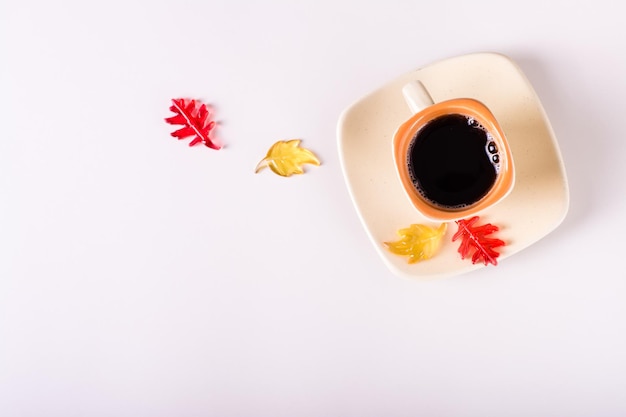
x: 195, y: 119
x: 474, y: 242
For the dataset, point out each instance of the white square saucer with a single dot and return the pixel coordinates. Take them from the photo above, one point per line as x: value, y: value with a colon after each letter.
x: 540, y: 197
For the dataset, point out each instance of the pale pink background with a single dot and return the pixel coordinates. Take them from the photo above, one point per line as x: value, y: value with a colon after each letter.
x: 141, y: 277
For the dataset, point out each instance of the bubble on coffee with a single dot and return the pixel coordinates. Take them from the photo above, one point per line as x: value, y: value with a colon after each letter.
x: 492, y: 151
x: 453, y: 161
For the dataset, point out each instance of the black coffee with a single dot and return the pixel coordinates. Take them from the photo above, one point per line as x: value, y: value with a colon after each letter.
x: 453, y: 161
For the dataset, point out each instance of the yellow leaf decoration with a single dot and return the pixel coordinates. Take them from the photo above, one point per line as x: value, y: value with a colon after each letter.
x: 418, y: 242
x: 286, y: 158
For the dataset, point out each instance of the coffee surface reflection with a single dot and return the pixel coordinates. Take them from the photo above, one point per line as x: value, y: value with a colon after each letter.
x: 453, y: 161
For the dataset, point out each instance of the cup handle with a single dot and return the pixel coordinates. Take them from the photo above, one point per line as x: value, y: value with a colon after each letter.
x: 416, y: 96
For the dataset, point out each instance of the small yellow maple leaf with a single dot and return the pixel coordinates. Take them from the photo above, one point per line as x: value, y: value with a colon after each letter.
x: 287, y: 157
x: 418, y: 242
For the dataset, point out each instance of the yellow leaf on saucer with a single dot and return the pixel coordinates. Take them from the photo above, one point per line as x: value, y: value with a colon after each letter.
x: 287, y: 157
x: 418, y: 242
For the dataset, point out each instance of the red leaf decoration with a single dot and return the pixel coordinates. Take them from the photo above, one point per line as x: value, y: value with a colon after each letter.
x: 475, y: 243
x: 194, y: 117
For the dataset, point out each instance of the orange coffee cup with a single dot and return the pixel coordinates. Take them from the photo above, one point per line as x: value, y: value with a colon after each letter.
x: 452, y: 157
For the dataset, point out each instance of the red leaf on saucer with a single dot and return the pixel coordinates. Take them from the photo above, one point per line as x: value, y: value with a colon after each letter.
x: 195, y: 119
x: 474, y: 242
